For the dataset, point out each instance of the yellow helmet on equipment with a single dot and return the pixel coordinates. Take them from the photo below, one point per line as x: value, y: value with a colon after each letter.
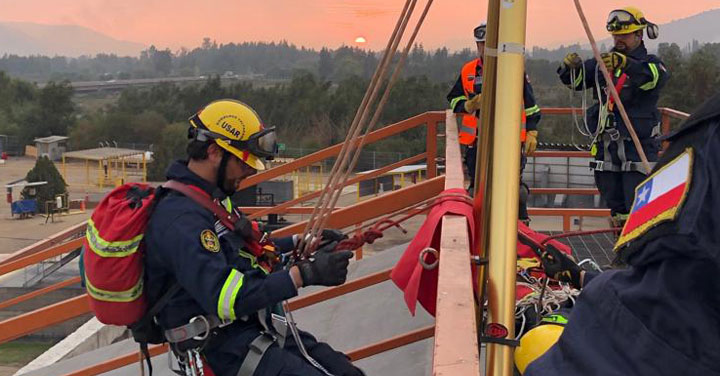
x: 535, y: 343
x: 235, y: 127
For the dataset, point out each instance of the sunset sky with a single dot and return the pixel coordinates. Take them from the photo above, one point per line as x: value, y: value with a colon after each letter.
x: 317, y: 23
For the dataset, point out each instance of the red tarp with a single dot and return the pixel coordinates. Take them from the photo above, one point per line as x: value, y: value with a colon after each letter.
x: 420, y: 285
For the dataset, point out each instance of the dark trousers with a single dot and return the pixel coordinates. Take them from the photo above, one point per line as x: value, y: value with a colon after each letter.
x: 470, y: 159
x: 288, y: 361
x: 618, y: 189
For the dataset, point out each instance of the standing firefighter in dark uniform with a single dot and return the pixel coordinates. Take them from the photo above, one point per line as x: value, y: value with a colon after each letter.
x: 226, y: 310
x: 638, y: 78
x: 661, y: 315
x: 465, y: 98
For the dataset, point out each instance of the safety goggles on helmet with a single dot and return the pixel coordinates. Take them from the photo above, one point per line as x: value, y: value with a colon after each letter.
x: 262, y: 144
x: 620, y: 19
x: 480, y: 32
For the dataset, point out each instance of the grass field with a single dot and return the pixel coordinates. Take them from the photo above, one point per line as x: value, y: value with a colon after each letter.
x: 20, y: 353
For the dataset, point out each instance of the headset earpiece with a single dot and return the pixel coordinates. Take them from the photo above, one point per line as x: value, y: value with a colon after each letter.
x: 653, y: 31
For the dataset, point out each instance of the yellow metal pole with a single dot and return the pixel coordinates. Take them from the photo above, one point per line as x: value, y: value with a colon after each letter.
x: 484, y: 144
x: 506, y: 181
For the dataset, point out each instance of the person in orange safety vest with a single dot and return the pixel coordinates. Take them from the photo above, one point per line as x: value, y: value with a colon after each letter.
x: 465, y: 98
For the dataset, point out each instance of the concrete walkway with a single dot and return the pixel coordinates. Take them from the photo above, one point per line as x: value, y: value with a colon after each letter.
x: 348, y: 322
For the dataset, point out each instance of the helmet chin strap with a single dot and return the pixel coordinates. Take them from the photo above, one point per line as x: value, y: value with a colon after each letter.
x: 221, y: 173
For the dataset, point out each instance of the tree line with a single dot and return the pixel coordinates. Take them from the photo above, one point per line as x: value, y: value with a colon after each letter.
x: 313, y: 107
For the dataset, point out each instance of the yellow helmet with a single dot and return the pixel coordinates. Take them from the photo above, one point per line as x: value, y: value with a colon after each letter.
x: 536, y: 342
x: 235, y: 127
x: 626, y: 20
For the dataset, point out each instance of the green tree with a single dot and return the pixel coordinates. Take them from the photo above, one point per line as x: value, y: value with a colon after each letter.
x: 56, y: 107
x: 325, y: 65
x: 45, y: 170
x: 171, y: 146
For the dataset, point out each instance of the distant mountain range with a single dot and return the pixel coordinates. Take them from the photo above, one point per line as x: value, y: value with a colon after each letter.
x: 703, y: 27
x: 24, y: 38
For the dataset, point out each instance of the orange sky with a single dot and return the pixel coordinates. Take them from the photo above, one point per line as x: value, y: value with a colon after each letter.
x: 316, y: 23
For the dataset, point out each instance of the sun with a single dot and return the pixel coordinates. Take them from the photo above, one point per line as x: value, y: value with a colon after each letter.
x: 360, y: 40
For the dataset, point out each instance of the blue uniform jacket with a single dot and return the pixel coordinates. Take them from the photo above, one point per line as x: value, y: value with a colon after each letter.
x: 660, y: 316
x: 220, y: 280
x: 646, y: 76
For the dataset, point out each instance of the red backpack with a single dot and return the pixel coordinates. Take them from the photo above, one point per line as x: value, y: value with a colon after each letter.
x: 114, y: 249
x: 113, y: 254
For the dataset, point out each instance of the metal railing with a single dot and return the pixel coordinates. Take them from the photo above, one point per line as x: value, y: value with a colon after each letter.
x: 42, y: 318
x: 456, y: 347
x: 455, y: 330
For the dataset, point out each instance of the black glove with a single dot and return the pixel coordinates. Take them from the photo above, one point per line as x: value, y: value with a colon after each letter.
x: 560, y: 266
x: 325, y: 267
x: 332, y: 235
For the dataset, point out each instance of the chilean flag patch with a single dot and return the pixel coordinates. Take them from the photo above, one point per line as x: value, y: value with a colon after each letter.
x: 659, y: 198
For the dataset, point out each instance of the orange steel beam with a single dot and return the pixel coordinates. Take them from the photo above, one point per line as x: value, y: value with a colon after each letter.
x: 279, y: 208
x: 564, y: 191
x: 456, y: 347
x: 675, y: 114
x: 39, y: 292
x: 392, y: 343
x: 667, y: 115
x: 334, y: 292
x: 454, y: 176
x: 253, y: 210
x: 42, y: 318
x: 334, y: 150
x: 47, y: 242
x: 431, y: 149
x: 40, y: 256
x: 120, y: 361
x: 355, y: 355
x: 560, y: 111
x: 375, y: 207
x: 550, y: 212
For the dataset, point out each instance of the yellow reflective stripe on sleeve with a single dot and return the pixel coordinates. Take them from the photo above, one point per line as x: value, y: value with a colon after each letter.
x: 115, y: 296
x: 579, y: 78
x: 455, y: 100
x: 532, y: 110
x: 228, y: 204
x: 656, y: 76
x: 105, y: 248
x: 228, y: 294
x: 253, y: 261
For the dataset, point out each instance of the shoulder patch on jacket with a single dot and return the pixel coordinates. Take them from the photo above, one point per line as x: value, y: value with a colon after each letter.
x: 659, y: 198
x: 210, y: 241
